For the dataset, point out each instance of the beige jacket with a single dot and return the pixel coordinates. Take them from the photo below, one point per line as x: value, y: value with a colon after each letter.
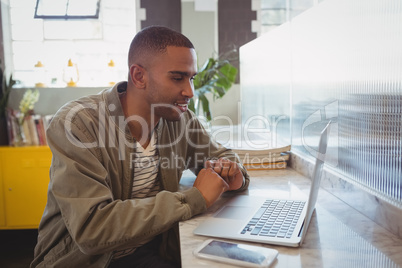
x: 89, y: 213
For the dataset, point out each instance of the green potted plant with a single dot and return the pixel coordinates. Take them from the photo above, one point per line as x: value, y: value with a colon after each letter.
x: 5, y: 90
x: 216, y: 77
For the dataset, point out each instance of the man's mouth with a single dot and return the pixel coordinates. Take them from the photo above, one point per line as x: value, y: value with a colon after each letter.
x: 182, y: 106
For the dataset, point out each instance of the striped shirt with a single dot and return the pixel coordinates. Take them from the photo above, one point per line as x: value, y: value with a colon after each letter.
x: 145, y: 164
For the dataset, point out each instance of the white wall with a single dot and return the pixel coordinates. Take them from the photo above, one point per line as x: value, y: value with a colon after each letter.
x: 54, y: 42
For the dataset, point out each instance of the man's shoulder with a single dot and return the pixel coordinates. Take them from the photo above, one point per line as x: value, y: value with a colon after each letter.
x: 86, y: 104
x: 79, y: 112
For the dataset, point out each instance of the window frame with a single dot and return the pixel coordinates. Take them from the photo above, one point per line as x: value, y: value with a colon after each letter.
x: 66, y: 16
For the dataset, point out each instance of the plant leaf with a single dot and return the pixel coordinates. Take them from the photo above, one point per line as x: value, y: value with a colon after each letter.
x: 205, y: 107
x: 215, y: 77
x: 191, y: 105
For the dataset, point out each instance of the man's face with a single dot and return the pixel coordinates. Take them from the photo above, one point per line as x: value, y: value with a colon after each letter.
x: 170, y: 82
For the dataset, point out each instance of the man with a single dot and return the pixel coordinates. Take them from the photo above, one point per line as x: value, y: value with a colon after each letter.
x: 118, y: 156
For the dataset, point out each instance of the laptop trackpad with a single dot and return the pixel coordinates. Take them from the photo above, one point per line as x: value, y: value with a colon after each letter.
x: 233, y: 212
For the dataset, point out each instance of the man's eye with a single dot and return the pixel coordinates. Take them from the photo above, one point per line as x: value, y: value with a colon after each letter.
x: 178, y: 78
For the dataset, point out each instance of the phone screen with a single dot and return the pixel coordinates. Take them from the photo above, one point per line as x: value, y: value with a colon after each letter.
x: 242, y: 252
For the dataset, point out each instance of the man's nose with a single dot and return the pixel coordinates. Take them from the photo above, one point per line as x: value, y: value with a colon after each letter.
x: 188, y: 91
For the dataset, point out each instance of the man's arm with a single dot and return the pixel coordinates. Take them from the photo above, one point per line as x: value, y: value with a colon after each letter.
x: 211, y: 185
x: 224, y: 161
x: 83, y: 183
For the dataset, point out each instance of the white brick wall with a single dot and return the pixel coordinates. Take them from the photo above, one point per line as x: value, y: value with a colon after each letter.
x: 90, y: 43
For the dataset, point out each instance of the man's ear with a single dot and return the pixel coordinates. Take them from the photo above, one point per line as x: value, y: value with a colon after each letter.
x: 137, y: 75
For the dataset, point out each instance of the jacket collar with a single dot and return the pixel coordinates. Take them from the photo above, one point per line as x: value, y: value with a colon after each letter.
x: 115, y: 109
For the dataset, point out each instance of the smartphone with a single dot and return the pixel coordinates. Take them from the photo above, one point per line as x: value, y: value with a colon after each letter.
x: 236, y: 254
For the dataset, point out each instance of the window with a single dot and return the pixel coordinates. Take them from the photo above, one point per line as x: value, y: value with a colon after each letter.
x: 276, y: 12
x: 67, y: 9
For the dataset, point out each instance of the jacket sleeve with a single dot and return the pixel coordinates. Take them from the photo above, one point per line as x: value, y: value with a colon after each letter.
x: 83, y: 189
x: 204, y: 147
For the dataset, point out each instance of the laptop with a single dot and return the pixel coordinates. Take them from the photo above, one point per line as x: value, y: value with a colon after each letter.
x: 264, y: 220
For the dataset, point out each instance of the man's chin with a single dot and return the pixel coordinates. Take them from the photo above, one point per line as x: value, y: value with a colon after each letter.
x: 174, y: 117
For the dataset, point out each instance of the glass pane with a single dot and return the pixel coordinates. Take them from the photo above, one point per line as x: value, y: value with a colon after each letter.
x: 265, y: 85
x: 82, y: 8
x: 344, y: 63
x: 51, y: 7
x: 273, y: 17
x: 301, y: 4
x: 55, y: 9
x: 273, y: 4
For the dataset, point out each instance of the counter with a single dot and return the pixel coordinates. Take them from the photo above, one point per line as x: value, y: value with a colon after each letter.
x: 338, y: 236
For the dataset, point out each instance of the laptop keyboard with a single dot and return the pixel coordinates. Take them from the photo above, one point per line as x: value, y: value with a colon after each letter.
x: 275, y: 218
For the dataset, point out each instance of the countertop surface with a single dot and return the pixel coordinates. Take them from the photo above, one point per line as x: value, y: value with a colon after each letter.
x: 338, y: 235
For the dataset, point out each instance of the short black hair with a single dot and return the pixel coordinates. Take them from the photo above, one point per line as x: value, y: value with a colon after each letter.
x: 153, y: 40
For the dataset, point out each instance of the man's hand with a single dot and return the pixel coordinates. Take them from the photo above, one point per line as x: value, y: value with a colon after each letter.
x: 228, y: 170
x: 211, y: 185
